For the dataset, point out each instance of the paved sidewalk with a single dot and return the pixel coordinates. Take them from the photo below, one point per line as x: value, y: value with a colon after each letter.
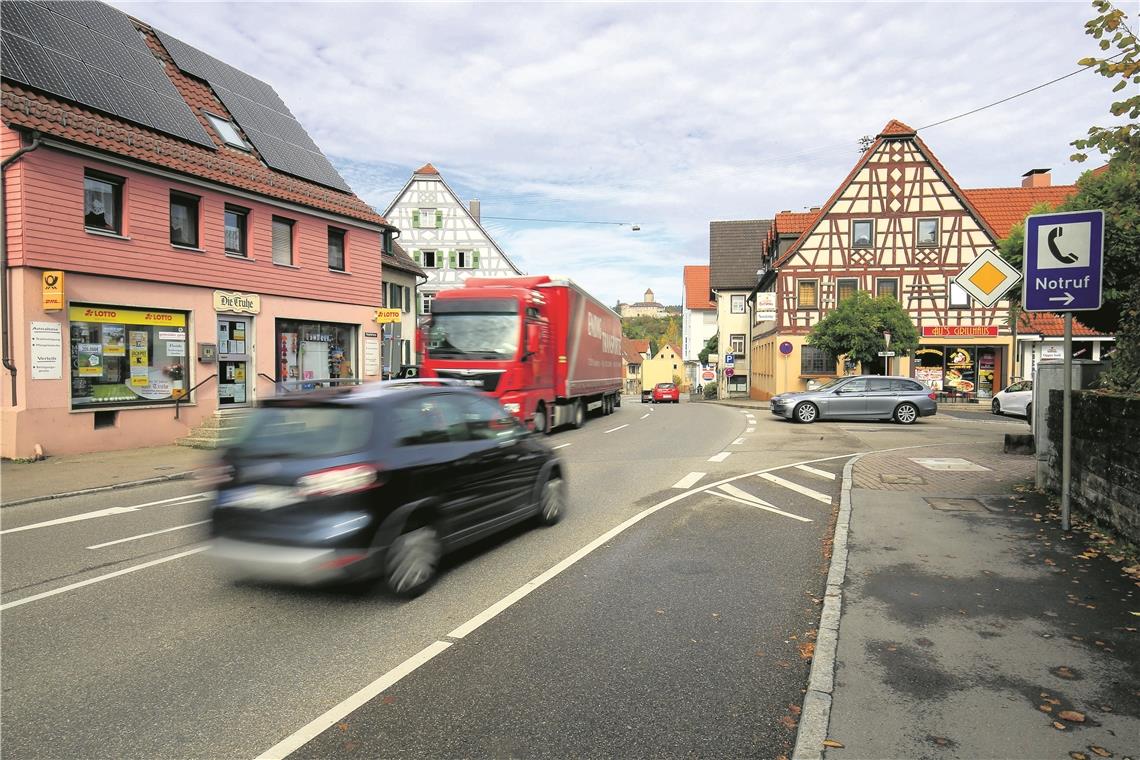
x: 971, y: 626
x: 55, y: 476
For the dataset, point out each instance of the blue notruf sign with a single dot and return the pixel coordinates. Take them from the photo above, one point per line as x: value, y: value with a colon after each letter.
x: 1064, y: 261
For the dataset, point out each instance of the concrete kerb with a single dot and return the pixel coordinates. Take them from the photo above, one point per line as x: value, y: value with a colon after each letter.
x: 816, y: 712
x: 100, y: 489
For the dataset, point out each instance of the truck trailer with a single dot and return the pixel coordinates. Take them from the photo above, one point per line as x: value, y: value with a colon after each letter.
x: 546, y: 349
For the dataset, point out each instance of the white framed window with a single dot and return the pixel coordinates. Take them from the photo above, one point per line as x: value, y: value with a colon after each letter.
x: 426, y: 218
x: 282, y: 241
x: 807, y: 292
x: 467, y: 259
x: 425, y: 302
x: 427, y: 259
x: 862, y: 233
x: 736, y: 304
x: 959, y: 298
x: 737, y: 343
x: 227, y: 130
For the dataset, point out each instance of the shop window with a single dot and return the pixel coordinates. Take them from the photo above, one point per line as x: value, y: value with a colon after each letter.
x: 808, y: 292
x: 102, y: 202
x: 845, y: 287
x: 236, y: 225
x: 127, y: 357
x: 814, y: 361
x: 927, y: 366
x: 862, y: 233
x: 887, y: 286
x: 282, y: 241
x: 736, y: 304
x: 959, y: 298
x: 309, y: 354
x: 336, y: 249
x: 184, y: 220
x: 927, y: 232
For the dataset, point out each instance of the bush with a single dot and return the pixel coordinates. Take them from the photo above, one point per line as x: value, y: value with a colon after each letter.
x: 710, y: 390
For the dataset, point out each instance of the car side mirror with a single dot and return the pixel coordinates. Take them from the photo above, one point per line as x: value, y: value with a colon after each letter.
x: 533, y: 339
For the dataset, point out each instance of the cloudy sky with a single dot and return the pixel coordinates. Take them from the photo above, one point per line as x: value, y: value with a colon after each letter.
x: 664, y: 115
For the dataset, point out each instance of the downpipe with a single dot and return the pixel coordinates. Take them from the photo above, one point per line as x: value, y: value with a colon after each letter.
x: 6, y: 308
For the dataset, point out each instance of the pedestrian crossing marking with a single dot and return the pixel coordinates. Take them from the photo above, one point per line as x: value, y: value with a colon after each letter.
x: 689, y: 480
x: 720, y: 457
x: 814, y: 471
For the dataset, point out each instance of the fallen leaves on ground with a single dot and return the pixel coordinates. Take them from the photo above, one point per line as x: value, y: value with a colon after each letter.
x: 1101, y: 751
x: 1072, y: 716
x: 1045, y: 708
x: 1058, y: 725
x: 789, y: 722
x: 832, y: 744
x: 1078, y: 756
x: 794, y: 709
x: 807, y: 650
x: 1064, y: 672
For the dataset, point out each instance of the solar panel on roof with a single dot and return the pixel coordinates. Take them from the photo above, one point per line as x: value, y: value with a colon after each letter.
x: 276, y: 134
x: 92, y: 54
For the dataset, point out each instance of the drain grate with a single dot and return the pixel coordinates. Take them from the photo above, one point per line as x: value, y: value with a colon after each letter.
x: 956, y: 505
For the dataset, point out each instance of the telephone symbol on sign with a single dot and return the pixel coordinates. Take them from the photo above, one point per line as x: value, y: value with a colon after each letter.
x: 1064, y: 258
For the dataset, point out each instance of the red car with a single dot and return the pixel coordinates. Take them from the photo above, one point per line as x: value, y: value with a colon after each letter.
x: 666, y: 392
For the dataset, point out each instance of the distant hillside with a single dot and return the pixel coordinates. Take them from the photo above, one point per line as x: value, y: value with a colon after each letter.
x: 658, y: 330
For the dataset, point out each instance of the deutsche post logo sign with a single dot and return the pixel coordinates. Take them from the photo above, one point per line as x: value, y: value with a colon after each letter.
x: 53, y: 291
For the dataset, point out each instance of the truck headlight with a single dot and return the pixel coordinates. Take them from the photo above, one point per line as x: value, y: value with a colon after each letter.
x: 513, y: 408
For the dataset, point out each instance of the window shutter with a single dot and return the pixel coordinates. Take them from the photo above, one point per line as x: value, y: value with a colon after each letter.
x: 439, y: 217
x: 282, y: 242
x: 451, y: 259
x: 415, y: 217
x: 474, y: 259
x: 407, y: 300
x: 416, y: 257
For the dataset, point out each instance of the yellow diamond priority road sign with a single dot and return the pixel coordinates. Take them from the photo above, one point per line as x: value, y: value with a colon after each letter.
x: 988, y: 278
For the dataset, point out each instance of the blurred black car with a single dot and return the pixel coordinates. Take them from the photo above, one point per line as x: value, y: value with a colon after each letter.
x: 376, y: 482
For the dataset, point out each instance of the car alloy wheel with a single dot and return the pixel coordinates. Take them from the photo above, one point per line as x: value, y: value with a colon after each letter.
x: 995, y: 407
x: 806, y: 413
x: 552, y: 503
x: 412, y: 561
x: 905, y: 414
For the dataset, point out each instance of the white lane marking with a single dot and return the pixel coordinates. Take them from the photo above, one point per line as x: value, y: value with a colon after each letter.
x: 737, y: 442
x: 750, y: 430
x: 189, y: 499
x: 760, y: 506
x: 327, y: 719
x: 689, y: 480
x: 619, y: 427
x: 100, y: 578
x: 742, y: 494
x: 813, y: 471
x: 798, y: 488
x: 720, y: 457
x: 148, y: 535
x: 645, y: 415
x: 561, y: 446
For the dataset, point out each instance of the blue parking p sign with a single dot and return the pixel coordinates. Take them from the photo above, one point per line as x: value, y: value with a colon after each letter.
x: 1064, y: 261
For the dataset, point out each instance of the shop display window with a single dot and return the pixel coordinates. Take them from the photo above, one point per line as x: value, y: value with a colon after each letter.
x: 311, y: 352
x: 126, y: 357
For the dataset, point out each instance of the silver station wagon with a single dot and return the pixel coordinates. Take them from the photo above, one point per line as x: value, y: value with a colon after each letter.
x: 869, y: 397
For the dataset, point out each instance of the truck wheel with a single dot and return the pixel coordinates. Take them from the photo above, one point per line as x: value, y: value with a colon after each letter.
x: 579, y: 418
x: 541, y: 423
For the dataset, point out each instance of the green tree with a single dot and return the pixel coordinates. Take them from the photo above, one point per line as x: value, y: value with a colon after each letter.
x: 1110, y: 27
x: 656, y: 329
x: 855, y: 329
x: 711, y: 347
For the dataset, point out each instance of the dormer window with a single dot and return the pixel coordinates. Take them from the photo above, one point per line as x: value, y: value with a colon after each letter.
x: 227, y: 130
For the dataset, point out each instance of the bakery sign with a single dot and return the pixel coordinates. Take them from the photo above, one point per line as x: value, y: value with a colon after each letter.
x: 946, y: 331
x: 239, y: 303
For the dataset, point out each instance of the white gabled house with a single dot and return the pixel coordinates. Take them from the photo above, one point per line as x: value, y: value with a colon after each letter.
x: 443, y: 236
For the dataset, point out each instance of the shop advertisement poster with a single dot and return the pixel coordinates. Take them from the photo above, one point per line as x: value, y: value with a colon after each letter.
x: 960, y: 372
x: 175, y: 348
x: 89, y: 359
x: 931, y: 377
x: 113, y: 337
x: 140, y: 369
x: 171, y: 335
x: 150, y: 384
x: 371, y: 356
x: 47, y: 351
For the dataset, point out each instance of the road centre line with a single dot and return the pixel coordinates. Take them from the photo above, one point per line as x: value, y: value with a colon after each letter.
x: 811, y: 494
x: 327, y: 719
x: 720, y: 457
x: 189, y: 499
x: 813, y: 471
x: 536, y: 582
x: 100, y: 578
x: 147, y: 535
x: 759, y: 506
x: 689, y: 480
x: 619, y: 427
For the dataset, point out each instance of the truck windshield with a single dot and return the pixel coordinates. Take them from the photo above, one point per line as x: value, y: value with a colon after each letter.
x: 481, y: 335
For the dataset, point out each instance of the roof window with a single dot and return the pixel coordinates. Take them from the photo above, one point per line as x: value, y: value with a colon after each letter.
x: 227, y: 130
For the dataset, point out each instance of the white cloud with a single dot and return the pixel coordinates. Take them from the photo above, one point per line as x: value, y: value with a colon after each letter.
x: 668, y: 115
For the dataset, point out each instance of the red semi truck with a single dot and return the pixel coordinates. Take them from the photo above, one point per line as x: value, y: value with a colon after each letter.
x: 546, y: 349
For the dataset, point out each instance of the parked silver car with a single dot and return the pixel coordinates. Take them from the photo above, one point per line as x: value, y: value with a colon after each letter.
x: 860, y: 397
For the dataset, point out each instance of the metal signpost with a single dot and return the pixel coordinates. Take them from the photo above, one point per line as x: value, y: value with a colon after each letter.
x: 1064, y: 269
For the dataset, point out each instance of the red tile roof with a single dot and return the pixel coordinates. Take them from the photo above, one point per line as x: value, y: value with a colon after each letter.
x: 1004, y: 207
x: 697, y: 288
x: 427, y: 169
x: 63, y: 120
x: 1052, y: 326
x: 637, y: 346
x: 793, y: 222
x: 896, y: 128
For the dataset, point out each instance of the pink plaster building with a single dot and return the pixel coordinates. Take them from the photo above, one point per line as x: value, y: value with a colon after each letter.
x: 164, y: 263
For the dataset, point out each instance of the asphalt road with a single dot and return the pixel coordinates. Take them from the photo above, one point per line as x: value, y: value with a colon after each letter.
x: 664, y: 616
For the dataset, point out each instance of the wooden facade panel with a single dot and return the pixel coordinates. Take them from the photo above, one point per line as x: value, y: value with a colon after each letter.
x: 55, y: 237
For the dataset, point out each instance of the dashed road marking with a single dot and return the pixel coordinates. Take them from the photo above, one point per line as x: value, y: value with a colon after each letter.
x: 689, y: 480
x: 720, y: 457
x: 619, y: 427
x: 814, y: 471
x: 750, y: 430
x: 188, y: 499
x: 737, y: 442
x: 147, y: 535
x: 561, y: 446
x: 811, y: 494
x: 645, y: 415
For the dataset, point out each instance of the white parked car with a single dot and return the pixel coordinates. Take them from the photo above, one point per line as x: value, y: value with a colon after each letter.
x: 1017, y: 399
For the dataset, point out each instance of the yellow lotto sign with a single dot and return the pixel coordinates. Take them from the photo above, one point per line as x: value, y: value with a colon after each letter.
x: 386, y: 316
x: 125, y: 316
x: 53, y: 291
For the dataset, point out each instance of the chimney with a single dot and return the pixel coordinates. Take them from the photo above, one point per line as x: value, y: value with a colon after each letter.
x: 474, y: 206
x: 1037, y: 178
